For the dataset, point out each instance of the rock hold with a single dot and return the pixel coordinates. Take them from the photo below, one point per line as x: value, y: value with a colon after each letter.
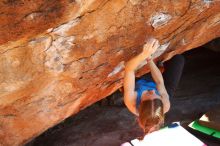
x: 160, y: 19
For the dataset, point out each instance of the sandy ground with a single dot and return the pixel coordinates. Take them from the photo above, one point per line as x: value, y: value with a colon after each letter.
x: 108, y: 123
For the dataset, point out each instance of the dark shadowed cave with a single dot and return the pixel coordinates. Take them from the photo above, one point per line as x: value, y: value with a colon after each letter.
x: 108, y: 122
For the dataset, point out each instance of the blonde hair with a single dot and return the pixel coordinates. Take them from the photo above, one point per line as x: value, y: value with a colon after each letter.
x: 150, y: 114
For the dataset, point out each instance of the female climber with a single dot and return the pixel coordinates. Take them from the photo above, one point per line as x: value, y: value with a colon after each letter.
x: 148, y: 96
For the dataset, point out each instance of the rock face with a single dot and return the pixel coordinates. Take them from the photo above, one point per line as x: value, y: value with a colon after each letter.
x: 60, y: 56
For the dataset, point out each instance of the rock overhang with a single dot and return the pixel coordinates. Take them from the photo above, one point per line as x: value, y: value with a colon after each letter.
x: 58, y: 57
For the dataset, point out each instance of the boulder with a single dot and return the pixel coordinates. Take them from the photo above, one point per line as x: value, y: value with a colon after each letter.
x: 57, y: 57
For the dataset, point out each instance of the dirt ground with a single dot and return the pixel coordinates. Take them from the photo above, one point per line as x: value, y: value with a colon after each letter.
x: 108, y: 122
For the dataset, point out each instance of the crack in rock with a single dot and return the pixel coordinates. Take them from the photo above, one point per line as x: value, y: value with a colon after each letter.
x: 96, y: 68
x: 59, y: 49
x: 46, y: 40
x: 58, y: 52
x: 110, y: 83
x: 62, y: 29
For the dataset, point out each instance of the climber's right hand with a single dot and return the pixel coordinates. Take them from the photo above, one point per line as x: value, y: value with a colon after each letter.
x: 150, y: 47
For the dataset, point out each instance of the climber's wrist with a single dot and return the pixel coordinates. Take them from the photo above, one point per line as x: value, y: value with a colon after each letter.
x: 149, y: 59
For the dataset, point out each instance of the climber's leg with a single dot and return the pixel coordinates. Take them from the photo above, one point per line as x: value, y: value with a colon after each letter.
x: 172, y: 73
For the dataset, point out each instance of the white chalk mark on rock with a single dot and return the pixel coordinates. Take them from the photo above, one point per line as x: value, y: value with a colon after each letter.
x: 117, y: 69
x: 183, y: 41
x: 89, y: 36
x: 161, y: 50
x: 135, y: 2
x: 207, y: 3
x: 49, y: 30
x: 33, y: 16
x: 62, y: 29
x: 58, y: 52
x: 160, y: 19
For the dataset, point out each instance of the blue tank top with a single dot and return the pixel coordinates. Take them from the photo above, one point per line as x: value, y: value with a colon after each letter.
x: 142, y: 85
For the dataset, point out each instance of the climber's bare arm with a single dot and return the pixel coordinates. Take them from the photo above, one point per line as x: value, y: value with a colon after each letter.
x: 129, y: 93
x: 129, y: 77
x: 155, y: 72
x: 158, y: 79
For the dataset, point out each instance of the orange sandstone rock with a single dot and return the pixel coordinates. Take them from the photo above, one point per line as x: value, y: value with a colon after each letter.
x: 59, y: 56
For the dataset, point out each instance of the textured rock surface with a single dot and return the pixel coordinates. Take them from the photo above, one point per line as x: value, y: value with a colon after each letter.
x: 60, y: 56
x: 197, y: 93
